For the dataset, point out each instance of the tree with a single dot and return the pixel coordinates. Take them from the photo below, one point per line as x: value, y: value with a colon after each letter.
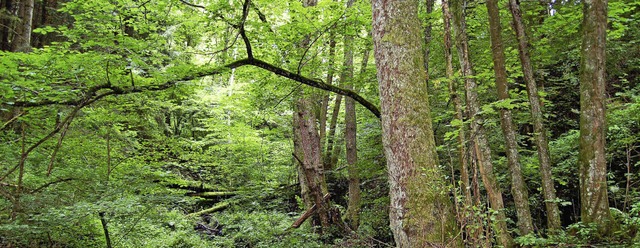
x: 22, y: 39
x: 353, y: 206
x: 518, y: 185
x: 420, y: 213
x: 594, y: 201
x: 540, y: 132
x: 480, y: 143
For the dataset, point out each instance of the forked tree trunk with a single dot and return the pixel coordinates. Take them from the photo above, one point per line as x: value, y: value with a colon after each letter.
x: 594, y: 200
x: 518, y: 187
x: 540, y: 132
x: 311, y: 158
x: 421, y: 214
x: 481, y: 145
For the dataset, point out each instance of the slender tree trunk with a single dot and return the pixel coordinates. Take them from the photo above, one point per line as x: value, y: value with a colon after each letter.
x: 324, y: 107
x: 331, y: 135
x: 540, y: 132
x: 457, y: 104
x: 353, y: 204
x: 594, y: 202
x: 22, y: 40
x: 105, y: 229
x: 7, y: 27
x: 353, y: 209
x: 421, y: 214
x: 481, y: 145
x: 518, y: 187
x: 427, y: 39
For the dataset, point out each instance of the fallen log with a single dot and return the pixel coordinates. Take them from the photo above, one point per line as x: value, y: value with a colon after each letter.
x: 308, y: 213
x: 213, y: 194
x: 217, y: 207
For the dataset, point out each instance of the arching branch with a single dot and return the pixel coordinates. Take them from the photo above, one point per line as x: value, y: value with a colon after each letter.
x: 107, y: 90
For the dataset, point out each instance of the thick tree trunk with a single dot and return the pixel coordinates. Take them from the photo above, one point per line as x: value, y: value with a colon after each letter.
x: 594, y: 201
x: 540, y: 132
x: 481, y: 145
x: 311, y: 158
x: 297, y: 151
x: 421, y: 214
x: 22, y: 40
x: 518, y: 187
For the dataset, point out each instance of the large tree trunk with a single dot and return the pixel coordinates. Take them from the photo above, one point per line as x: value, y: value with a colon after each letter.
x: 518, y: 187
x: 421, y: 214
x: 594, y: 201
x: 481, y: 145
x: 22, y: 39
x: 540, y: 132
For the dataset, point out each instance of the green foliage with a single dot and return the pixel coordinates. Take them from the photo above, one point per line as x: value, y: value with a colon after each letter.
x: 135, y: 156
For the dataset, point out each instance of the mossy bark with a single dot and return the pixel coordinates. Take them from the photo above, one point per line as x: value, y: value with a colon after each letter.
x: 594, y: 200
x: 421, y: 214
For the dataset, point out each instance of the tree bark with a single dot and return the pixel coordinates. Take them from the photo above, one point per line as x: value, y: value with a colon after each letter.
x: 107, y: 238
x: 311, y: 158
x: 540, y: 132
x: 22, y: 40
x: 594, y: 201
x: 518, y: 187
x: 7, y: 28
x: 353, y: 203
x: 331, y: 136
x: 481, y: 145
x: 324, y: 107
x: 308, y: 152
x: 421, y: 214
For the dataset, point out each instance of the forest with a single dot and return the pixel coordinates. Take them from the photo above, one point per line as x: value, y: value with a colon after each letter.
x: 319, y: 123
